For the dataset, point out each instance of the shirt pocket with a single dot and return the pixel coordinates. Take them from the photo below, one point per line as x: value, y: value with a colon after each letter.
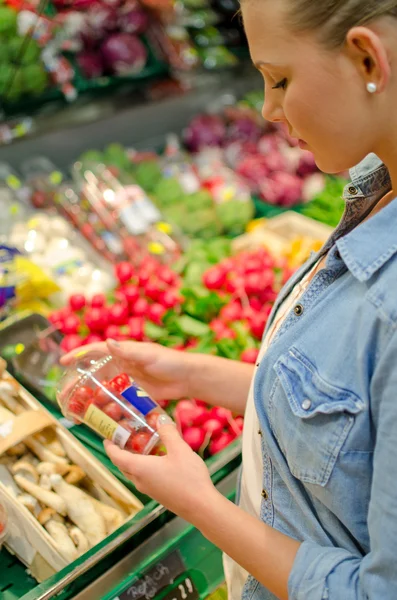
x: 310, y: 417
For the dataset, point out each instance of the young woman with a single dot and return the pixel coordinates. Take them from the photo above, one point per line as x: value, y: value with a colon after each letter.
x: 317, y: 514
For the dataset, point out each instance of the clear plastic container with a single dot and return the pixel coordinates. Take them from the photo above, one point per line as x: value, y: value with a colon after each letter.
x: 97, y: 392
x: 3, y: 524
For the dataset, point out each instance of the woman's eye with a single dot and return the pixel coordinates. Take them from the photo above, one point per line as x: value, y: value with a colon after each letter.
x: 281, y: 84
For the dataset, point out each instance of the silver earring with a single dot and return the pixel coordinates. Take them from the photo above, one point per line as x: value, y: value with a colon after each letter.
x: 372, y: 88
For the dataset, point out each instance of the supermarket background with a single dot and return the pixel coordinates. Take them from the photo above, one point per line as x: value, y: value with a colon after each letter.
x: 141, y: 197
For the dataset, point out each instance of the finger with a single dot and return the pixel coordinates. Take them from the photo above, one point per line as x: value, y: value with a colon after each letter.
x: 125, y: 461
x: 169, y: 434
x: 67, y: 359
x: 136, y: 352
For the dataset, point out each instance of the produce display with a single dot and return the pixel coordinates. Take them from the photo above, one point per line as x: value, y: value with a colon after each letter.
x: 54, y: 491
x: 328, y: 205
x: 96, y: 393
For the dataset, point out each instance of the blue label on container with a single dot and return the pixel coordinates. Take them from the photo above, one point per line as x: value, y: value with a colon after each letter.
x: 139, y: 399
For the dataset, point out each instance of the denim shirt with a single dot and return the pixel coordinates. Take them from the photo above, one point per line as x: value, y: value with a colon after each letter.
x: 326, y: 397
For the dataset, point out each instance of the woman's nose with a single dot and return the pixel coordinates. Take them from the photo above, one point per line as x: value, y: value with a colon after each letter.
x: 272, y: 110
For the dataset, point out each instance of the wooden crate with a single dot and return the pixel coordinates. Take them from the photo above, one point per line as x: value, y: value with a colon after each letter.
x: 26, y: 537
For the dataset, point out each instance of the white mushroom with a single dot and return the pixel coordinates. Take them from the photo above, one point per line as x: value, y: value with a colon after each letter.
x: 79, y: 539
x: 31, y: 503
x: 43, y: 453
x: 75, y: 474
x: 44, y: 496
x: 81, y: 510
x: 26, y: 470
x: 51, y: 442
x: 45, y: 483
x: 48, y: 468
x: 8, y: 396
x: 59, y: 534
x: 113, y: 517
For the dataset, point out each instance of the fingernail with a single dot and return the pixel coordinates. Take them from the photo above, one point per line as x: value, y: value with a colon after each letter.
x: 114, y: 342
x: 164, y: 420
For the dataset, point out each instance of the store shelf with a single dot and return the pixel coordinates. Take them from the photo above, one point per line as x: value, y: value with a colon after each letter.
x: 198, y: 560
x: 16, y: 584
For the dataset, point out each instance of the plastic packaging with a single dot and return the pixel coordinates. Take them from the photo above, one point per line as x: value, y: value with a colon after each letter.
x: 3, y: 525
x: 96, y: 391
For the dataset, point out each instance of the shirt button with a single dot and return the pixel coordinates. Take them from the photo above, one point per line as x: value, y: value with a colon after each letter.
x: 353, y: 190
x: 306, y: 404
x: 298, y: 310
x: 264, y: 494
x: 259, y: 431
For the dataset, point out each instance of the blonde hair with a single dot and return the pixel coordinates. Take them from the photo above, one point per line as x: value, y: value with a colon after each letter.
x: 334, y: 18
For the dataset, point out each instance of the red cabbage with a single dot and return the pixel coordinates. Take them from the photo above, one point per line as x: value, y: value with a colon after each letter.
x: 91, y: 64
x: 282, y: 189
x: 204, y: 131
x: 124, y: 54
x: 133, y: 18
x: 244, y: 129
x: 101, y: 20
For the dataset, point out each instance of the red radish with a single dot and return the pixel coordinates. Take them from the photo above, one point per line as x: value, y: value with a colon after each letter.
x: 98, y: 301
x: 96, y: 319
x: 56, y: 317
x: 231, y: 312
x: 156, y: 313
x: 93, y: 338
x: 214, y: 278
x: 118, y: 314
x: 141, y: 307
x: 257, y: 324
x: 250, y: 355
x: 221, y: 442
x: 234, y: 283
x: 227, y: 334
x: 217, y: 326
x: 195, y: 437
x: 213, y: 427
x: 112, y: 332
x: 169, y: 298
x: 255, y: 303
x: 113, y: 410
x: 167, y: 276
x: 223, y: 415
x: 238, y: 425
x: 137, y: 443
x: 153, y: 289
x: 70, y: 325
x: 130, y: 293
x: 124, y: 271
x: 77, y: 302
x: 201, y: 416
x: 136, y: 329
x: 144, y: 277
x: 199, y: 403
x: 71, y: 342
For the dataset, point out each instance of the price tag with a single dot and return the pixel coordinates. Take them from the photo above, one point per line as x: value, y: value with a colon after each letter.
x: 186, y: 590
x: 155, y: 579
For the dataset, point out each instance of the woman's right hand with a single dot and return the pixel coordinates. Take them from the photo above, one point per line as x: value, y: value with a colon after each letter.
x: 162, y: 372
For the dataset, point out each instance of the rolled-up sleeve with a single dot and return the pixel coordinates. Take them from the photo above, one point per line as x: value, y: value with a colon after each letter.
x: 327, y: 573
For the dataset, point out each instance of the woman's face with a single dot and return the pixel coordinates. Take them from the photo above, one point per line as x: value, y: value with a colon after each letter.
x: 318, y: 93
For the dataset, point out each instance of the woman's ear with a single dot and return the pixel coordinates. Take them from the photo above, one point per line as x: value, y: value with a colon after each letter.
x: 370, y: 55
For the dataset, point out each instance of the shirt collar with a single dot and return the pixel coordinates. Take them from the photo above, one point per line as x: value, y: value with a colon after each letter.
x: 366, y: 247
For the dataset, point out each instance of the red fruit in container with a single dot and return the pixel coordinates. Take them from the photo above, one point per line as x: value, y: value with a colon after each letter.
x: 118, y: 314
x: 250, y: 355
x: 96, y: 392
x: 201, y: 416
x: 112, y: 332
x: 195, y: 437
x: 140, y: 308
x: 156, y: 313
x: 136, y: 328
x: 96, y: 319
x: 98, y: 301
x: 130, y: 293
x: 71, y: 342
x: 113, y: 410
x: 70, y: 325
x: 124, y: 271
x: 221, y: 442
x: 77, y: 302
x: 138, y: 442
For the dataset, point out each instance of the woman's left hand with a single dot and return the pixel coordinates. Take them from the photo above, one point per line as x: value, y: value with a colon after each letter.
x: 179, y: 480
